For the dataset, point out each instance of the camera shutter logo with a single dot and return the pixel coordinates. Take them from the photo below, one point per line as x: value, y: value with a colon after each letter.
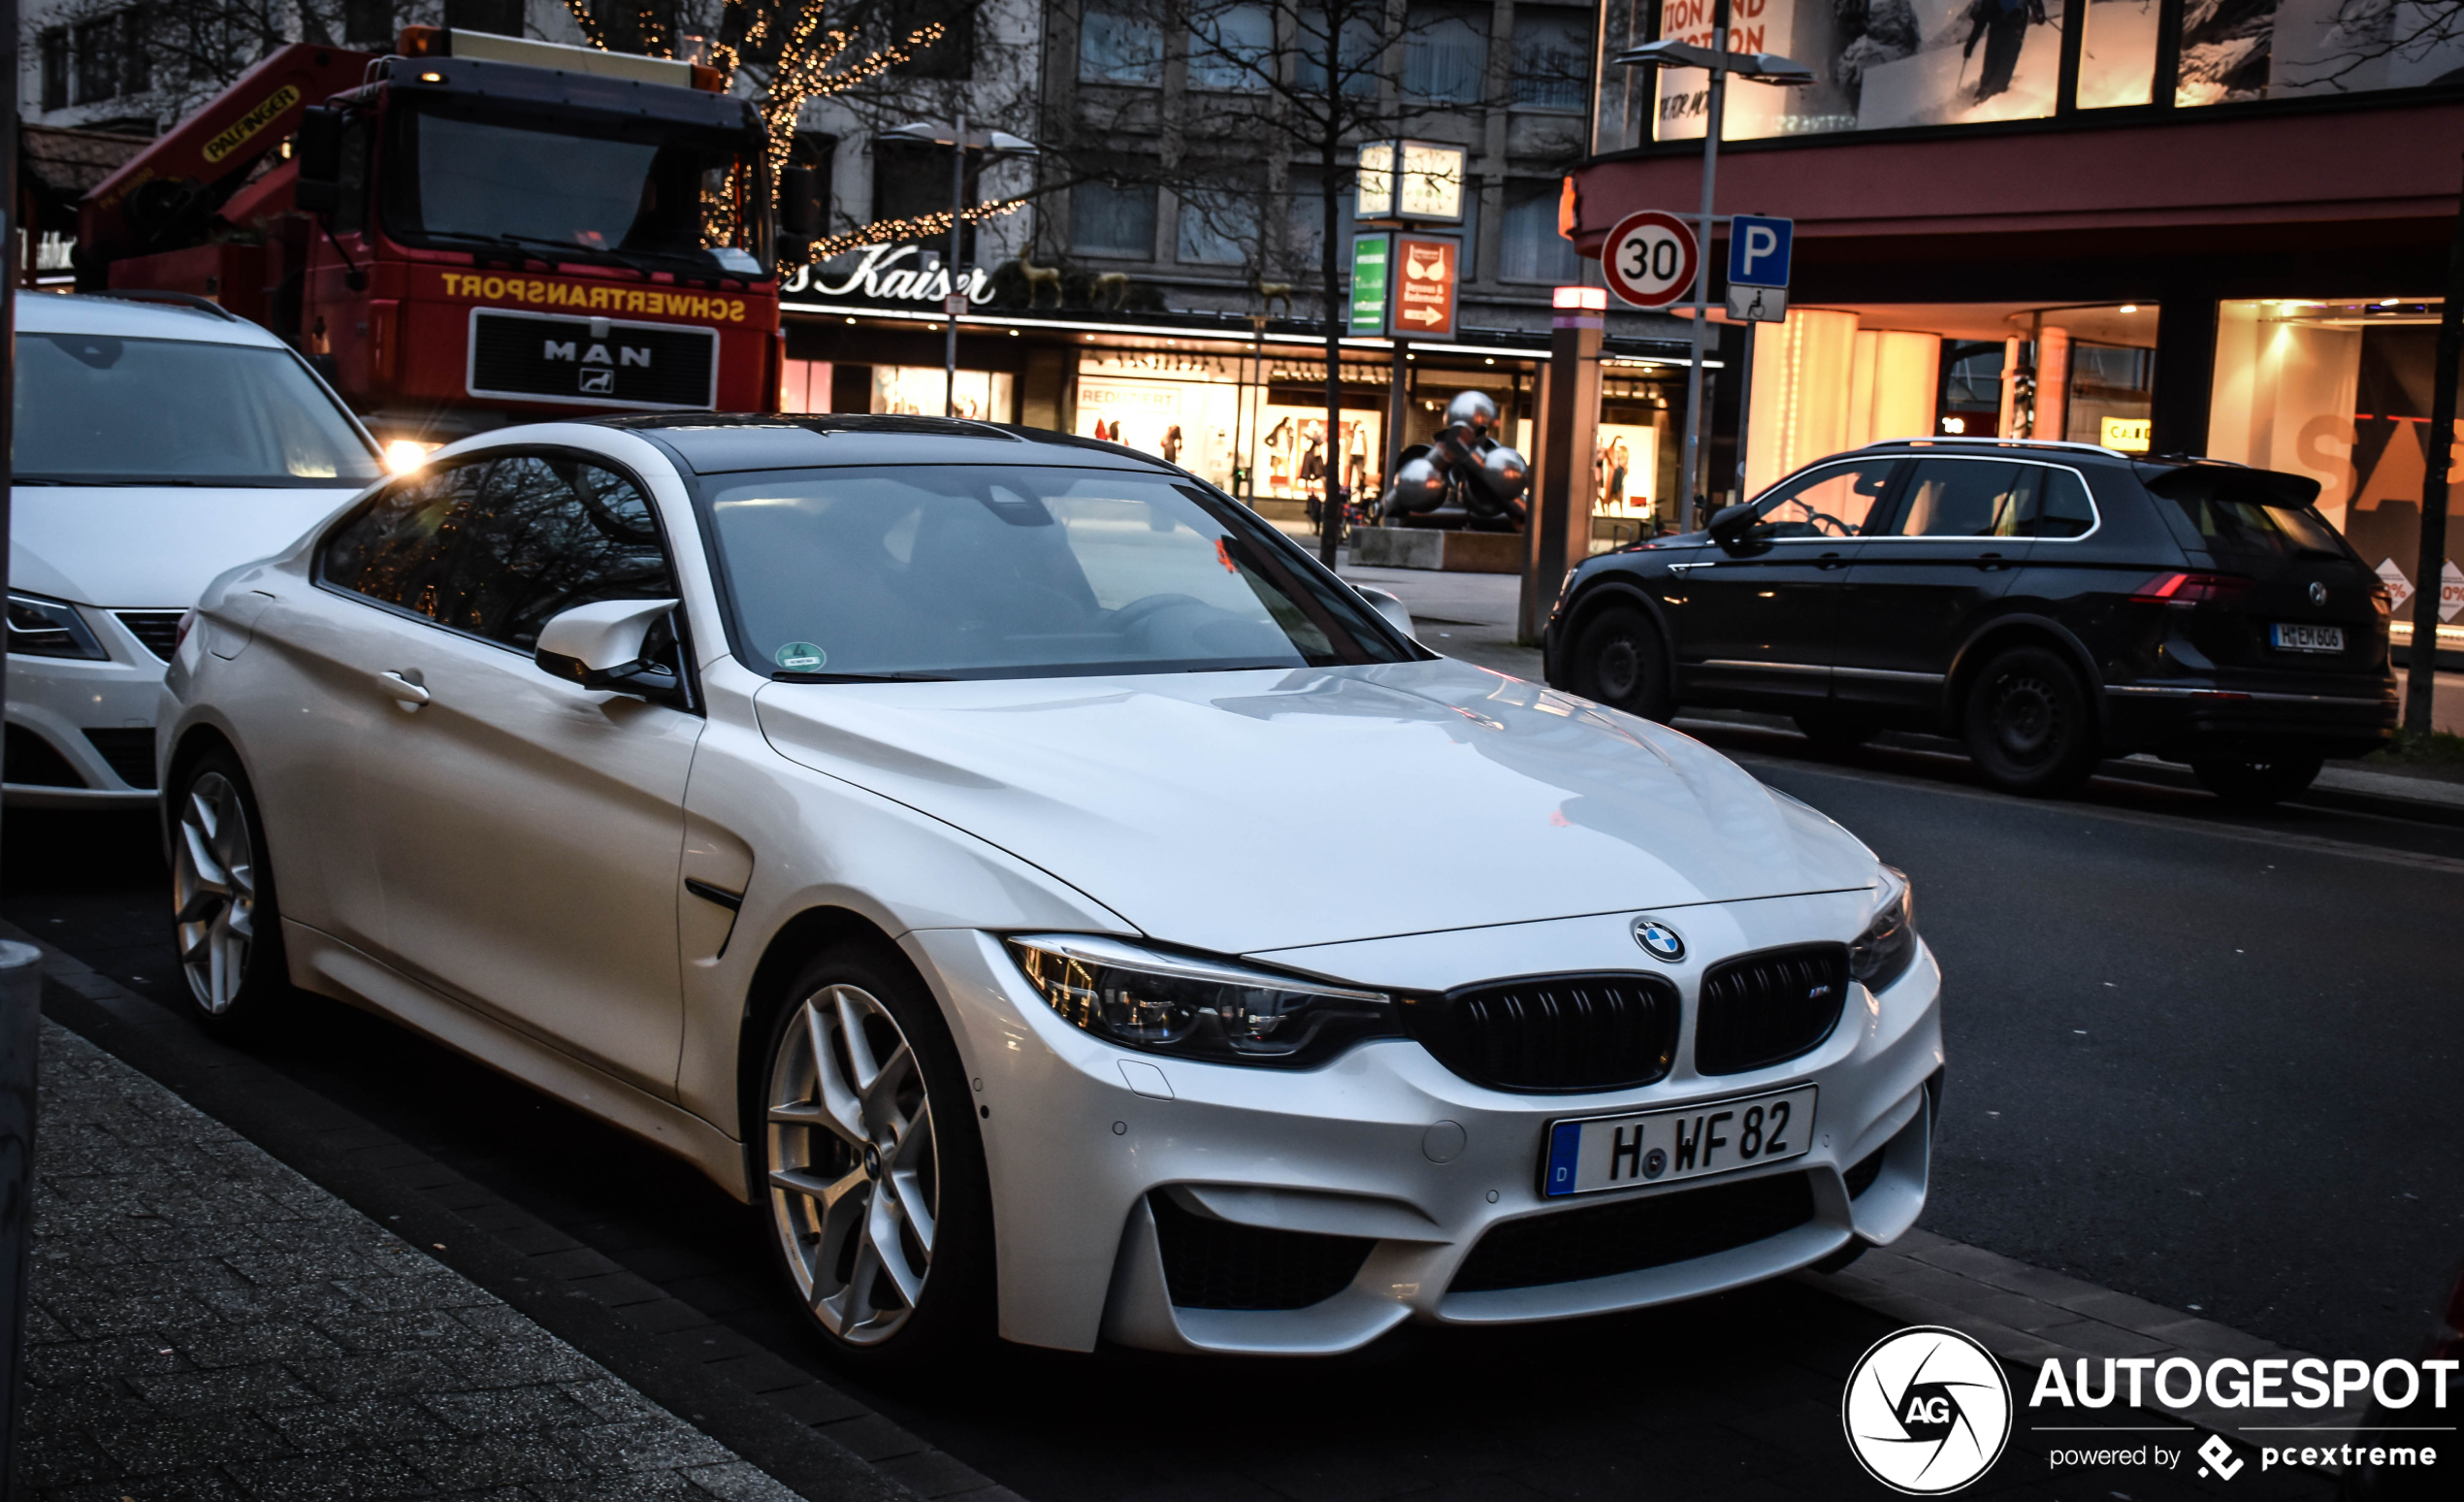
x: 1928, y: 1410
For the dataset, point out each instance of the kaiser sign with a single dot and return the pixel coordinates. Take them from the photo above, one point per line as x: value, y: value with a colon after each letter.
x: 885, y: 274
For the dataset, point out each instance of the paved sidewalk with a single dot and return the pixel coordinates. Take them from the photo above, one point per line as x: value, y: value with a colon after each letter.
x: 206, y: 1324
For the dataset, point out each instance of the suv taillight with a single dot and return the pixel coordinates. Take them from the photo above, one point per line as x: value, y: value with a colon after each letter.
x: 2380, y: 600
x: 2191, y: 589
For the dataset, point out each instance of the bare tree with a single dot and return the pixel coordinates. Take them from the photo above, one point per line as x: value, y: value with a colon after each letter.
x: 1288, y: 84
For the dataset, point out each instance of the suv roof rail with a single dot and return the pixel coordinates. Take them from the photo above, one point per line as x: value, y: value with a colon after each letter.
x: 1999, y: 443
x: 189, y: 300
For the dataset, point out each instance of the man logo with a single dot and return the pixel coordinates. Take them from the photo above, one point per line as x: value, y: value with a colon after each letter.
x: 1658, y: 940
x: 1928, y: 1410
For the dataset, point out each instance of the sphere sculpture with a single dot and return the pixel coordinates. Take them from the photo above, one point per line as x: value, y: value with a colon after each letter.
x: 1461, y: 478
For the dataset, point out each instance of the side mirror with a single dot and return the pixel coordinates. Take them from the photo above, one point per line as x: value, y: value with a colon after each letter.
x: 317, y: 150
x: 1732, y: 525
x: 1392, y: 608
x: 801, y: 213
x: 599, y: 646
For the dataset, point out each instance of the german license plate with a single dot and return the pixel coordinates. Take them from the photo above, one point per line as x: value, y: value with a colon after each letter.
x: 2290, y: 636
x: 1591, y: 1154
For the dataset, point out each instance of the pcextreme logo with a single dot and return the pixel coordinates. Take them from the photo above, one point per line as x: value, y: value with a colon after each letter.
x: 1927, y: 1411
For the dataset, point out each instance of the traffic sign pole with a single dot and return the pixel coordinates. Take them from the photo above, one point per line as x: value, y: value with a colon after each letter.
x: 1697, y: 501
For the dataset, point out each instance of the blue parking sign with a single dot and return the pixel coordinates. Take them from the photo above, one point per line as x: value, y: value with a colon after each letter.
x: 1757, y: 250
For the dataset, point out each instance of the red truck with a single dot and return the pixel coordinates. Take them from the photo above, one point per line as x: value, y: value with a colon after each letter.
x: 471, y: 231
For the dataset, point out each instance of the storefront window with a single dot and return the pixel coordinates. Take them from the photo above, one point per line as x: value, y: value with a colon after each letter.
x: 2118, y: 57
x: 1878, y: 64
x: 2287, y: 49
x: 2340, y: 391
x: 917, y: 390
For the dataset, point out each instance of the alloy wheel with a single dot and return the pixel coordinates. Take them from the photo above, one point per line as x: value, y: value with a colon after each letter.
x: 215, y: 892
x: 855, y: 1173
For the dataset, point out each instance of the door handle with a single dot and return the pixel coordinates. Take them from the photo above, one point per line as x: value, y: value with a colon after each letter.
x: 1991, y: 562
x: 1830, y: 561
x: 404, y: 686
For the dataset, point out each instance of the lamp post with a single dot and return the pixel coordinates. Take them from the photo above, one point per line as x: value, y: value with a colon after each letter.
x: 994, y: 145
x: 1754, y: 67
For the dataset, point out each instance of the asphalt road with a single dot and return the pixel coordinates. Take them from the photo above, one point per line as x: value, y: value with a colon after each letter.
x: 2205, y: 1060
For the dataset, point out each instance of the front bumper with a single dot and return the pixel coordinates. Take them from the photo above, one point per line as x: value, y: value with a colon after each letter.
x: 2184, y: 720
x: 1092, y: 1165
x: 95, y: 719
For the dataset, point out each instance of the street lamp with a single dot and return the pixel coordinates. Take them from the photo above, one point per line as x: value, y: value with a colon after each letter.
x: 1755, y: 67
x: 960, y: 140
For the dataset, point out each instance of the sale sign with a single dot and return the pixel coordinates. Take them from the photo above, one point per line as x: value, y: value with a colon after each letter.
x: 1424, y: 290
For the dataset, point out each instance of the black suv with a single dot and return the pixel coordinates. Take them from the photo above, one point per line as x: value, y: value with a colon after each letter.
x: 2047, y: 602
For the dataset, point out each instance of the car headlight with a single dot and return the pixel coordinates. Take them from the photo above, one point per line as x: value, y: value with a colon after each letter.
x: 49, y: 628
x: 1883, y: 953
x: 1197, y: 1008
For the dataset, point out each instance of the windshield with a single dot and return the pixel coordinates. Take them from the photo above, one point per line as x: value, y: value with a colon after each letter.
x: 650, y: 191
x: 962, y: 572
x: 98, y: 411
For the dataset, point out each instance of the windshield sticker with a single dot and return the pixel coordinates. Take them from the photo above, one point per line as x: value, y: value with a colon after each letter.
x: 799, y: 657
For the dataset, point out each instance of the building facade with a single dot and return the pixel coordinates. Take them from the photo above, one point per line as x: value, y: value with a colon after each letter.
x: 2148, y: 224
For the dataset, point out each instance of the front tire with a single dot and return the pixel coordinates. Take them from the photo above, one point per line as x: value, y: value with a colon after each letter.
x: 1620, y: 661
x: 880, y: 1213
x: 2254, y: 782
x: 2028, y: 724
x: 225, y: 924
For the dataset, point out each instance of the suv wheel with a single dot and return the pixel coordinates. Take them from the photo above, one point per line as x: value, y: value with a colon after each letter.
x: 874, y: 1171
x: 1621, y: 662
x: 2028, y: 724
x: 223, y: 917
x: 2256, y: 782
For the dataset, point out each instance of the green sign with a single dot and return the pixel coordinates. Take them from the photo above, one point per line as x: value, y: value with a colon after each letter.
x: 1370, y: 254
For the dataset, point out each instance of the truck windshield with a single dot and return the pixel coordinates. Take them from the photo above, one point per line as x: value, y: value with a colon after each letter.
x: 648, y: 192
x: 98, y: 411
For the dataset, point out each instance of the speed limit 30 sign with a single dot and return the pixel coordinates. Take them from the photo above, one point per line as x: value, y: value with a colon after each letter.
x: 1649, y: 258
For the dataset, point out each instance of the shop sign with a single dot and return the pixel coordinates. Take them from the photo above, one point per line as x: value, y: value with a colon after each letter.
x: 1169, y: 364
x: 1312, y: 372
x: 1369, y: 253
x: 1424, y: 294
x: 2400, y: 589
x: 886, y: 274
x: 2129, y: 435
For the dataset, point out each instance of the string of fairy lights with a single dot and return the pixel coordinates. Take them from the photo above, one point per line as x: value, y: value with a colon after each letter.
x: 812, y: 66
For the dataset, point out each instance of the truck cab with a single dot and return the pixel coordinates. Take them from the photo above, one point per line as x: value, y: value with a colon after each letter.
x: 478, y: 230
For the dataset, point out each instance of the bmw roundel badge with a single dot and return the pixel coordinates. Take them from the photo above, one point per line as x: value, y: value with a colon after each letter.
x: 1658, y: 940
x: 2318, y: 593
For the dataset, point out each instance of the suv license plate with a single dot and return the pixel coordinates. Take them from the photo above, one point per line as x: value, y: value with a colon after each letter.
x: 2285, y: 636
x: 1658, y: 1147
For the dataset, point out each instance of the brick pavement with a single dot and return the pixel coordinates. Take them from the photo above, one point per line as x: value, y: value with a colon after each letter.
x: 206, y: 1324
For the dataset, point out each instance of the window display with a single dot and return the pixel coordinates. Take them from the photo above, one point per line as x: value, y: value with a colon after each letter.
x: 1877, y: 64
x: 917, y: 391
x: 2340, y: 391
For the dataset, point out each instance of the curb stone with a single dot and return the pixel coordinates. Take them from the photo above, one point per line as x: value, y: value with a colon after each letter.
x: 815, y: 1440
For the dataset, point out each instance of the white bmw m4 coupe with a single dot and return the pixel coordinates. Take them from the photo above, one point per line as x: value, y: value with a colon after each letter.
x: 1065, y: 908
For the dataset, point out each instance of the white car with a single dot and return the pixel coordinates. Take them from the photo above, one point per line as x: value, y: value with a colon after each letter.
x: 156, y: 444
x: 1067, y: 907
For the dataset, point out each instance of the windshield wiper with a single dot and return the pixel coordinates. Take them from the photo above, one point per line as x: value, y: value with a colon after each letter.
x: 861, y: 677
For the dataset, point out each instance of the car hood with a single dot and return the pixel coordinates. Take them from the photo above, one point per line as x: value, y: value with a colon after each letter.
x: 1265, y: 809
x: 147, y: 547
